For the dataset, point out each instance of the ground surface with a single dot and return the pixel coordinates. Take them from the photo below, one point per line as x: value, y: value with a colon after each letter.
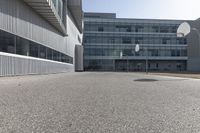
x: 180, y: 74
x: 99, y: 103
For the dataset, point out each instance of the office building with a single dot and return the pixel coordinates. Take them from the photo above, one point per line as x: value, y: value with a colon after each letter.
x: 109, y: 44
x: 40, y: 36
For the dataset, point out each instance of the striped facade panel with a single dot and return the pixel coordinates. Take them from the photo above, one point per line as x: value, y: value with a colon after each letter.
x: 20, y: 19
x: 12, y: 65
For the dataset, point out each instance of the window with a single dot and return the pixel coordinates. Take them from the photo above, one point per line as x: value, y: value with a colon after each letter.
x: 22, y: 46
x: 56, y: 56
x: 10, y: 43
x: 123, y: 28
x: 164, y: 29
x: 173, y: 52
x: 166, y: 41
x: 174, y: 29
x: 58, y: 4
x: 100, y: 29
x: 34, y: 49
x: 42, y: 52
x: 155, y: 29
x: 49, y: 54
x: 7, y: 42
x: 157, y: 65
x: 138, y: 40
x: 126, y: 40
x: 139, y: 29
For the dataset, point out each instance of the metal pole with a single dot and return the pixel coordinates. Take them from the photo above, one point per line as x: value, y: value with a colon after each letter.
x: 146, y: 60
x: 127, y: 65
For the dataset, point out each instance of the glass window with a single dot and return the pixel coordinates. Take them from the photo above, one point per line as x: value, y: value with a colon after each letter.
x: 42, y: 52
x: 166, y: 41
x: 100, y: 29
x: 58, y: 4
x: 126, y: 40
x: 164, y: 29
x: 10, y: 43
x: 34, y: 49
x: 139, y: 29
x: 56, y: 56
x: 123, y: 28
x: 155, y: 29
x: 63, y: 58
x: 7, y: 42
x: 49, y: 54
x: 22, y: 46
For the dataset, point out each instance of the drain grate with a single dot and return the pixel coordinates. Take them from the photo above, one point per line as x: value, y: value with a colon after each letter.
x: 146, y: 80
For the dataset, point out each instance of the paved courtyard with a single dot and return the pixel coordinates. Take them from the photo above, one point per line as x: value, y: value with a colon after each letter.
x: 99, y: 103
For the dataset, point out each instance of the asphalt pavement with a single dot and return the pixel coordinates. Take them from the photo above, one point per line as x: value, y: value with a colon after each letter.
x: 92, y: 102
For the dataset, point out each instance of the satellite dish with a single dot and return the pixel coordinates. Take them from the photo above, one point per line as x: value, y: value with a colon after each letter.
x: 137, y: 48
x: 183, y: 30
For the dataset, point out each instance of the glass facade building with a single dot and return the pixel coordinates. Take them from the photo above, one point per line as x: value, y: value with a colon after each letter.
x: 109, y: 44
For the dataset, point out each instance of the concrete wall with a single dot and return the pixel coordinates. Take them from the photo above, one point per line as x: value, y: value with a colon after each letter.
x: 194, y: 47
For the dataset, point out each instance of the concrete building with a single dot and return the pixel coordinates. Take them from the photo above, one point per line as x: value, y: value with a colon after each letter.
x: 40, y: 36
x: 194, y: 46
x: 109, y: 44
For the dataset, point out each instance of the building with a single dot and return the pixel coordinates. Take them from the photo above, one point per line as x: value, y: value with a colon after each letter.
x: 194, y: 46
x: 109, y: 44
x: 40, y: 36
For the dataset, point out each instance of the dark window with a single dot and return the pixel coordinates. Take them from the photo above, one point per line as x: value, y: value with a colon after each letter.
x: 34, y: 49
x: 7, y: 42
x: 164, y: 29
x: 42, y: 52
x: 56, y: 56
x: 174, y: 29
x: 173, y: 52
x: 126, y: 40
x: 157, y: 65
x: 123, y: 28
x: 101, y: 29
x: 138, y: 40
x: 10, y: 43
x: 22, y: 46
x: 139, y: 29
x: 166, y: 41
x: 63, y: 58
x: 155, y: 29
x: 49, y: 54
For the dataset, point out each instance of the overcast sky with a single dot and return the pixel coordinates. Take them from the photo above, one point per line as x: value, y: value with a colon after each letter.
x: 152, y: 9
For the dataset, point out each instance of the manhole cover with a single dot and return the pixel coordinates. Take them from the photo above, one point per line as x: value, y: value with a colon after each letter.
x: 145, y: 80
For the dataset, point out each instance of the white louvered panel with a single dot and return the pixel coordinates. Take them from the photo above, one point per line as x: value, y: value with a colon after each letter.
x: 11, y: 65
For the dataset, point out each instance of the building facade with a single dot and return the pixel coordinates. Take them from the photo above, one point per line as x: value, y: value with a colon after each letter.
x: 194, y: 46
x: 39, y: 36
x: 109, y: 44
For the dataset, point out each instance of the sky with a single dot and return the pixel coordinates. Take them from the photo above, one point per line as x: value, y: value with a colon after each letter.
x: 148, y: 9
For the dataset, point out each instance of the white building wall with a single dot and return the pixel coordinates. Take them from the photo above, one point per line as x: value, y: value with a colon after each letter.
x: 73, y: 34
x: 20, y: 19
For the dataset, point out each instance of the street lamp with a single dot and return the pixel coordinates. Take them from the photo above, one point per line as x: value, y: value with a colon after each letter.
x: 137, y: 49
